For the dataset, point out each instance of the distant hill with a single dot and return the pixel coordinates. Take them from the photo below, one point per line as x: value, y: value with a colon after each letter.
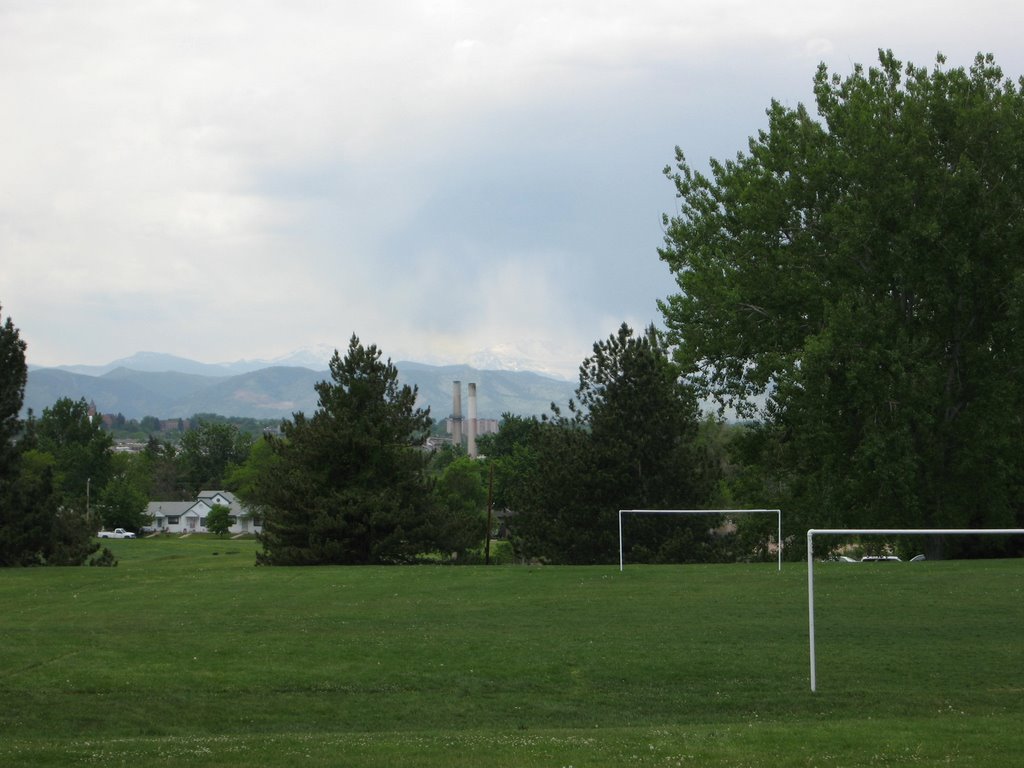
x: 184, y: 388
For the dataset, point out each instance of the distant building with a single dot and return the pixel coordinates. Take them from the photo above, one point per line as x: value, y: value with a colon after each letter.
x: 190, y: 516
x: 175, y: 425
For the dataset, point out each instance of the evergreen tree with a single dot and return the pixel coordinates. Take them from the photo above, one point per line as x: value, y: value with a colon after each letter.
x: 13, y: 377
x: 35, y: 529
x: 630, y: 443
x: 24, y: 523
x: 348, y: 484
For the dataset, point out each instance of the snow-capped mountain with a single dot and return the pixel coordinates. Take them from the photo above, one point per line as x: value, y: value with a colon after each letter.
x: 532, y: 356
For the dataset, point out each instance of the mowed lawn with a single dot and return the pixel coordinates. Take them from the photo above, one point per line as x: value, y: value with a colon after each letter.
x: 188, y: 654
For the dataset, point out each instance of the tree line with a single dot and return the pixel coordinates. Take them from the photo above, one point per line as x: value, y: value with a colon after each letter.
x: 850, y: 291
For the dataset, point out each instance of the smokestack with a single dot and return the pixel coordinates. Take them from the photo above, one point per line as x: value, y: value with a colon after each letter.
x: 456, y: 416
x: 471, y: 447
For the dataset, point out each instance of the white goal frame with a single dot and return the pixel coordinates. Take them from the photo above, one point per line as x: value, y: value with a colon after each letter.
x: 811, y: 533
x: 622, y: 512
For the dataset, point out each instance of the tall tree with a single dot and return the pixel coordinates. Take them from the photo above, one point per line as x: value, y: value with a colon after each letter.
x: 348, y: 485
x: 643, y: 420
x: 24, y: 526
x: 208, y: 452
x: 630, y: 443
x: 81, y: 447
x: 461, y: 497
x: 13, y: 377
x: 857, y: 282
x: 35, y: 527
x: 122, y: 502
x: 159, y: 466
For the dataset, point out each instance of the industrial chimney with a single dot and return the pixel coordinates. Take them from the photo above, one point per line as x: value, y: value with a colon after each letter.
x: 471, y: 446
x: 456, y: 416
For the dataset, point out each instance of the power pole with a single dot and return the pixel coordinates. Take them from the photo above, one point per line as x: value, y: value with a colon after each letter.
x: 490, y: 496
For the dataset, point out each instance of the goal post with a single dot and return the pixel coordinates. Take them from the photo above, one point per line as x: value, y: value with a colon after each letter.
x: 811, y: 533
x: 623, y: 512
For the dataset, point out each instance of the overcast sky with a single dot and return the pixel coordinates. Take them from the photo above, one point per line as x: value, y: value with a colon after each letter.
x: 224, y: 180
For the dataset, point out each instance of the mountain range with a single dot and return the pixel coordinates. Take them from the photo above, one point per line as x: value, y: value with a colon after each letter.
x: 165, y: 386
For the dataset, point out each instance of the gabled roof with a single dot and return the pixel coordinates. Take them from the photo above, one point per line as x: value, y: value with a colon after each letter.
x: 228, y: 495
x: 168, y: 508
x: 209, y: 498
x: 199, y: 508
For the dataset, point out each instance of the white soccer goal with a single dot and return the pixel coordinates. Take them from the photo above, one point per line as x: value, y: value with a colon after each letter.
x: 727, y: 512
x: 876, y: 532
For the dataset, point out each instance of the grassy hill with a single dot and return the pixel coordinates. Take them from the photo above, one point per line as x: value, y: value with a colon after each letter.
x: 187, y: 654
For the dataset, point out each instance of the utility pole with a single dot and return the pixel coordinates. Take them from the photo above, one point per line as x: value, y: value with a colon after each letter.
x: 490, y: 496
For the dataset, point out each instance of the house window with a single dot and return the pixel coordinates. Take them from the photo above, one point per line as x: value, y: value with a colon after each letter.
x: 202, y: 522
x: 172, y: 520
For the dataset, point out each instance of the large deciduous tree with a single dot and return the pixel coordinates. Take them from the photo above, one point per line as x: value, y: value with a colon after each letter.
x: 122, y: 502
x: 209, y: 452
x: 856, y: 280
x: 348, y: 484
x: 81, y: 447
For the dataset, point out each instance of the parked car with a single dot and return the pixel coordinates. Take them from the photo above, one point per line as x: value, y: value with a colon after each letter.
x: 117, y: 533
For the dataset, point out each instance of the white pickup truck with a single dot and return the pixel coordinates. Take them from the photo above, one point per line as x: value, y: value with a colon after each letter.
x: 117, y: 533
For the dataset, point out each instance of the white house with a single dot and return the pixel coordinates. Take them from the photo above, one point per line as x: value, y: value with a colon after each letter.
x: 190, y: 516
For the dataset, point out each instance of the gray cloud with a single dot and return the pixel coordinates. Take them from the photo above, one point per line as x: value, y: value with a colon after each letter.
x: 229, y: 180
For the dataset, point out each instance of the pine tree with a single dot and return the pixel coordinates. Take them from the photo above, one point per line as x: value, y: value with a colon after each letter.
x: 34, y: 528
x: 348, y: 485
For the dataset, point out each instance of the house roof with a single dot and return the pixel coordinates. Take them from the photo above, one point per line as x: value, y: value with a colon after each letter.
x: 168, y: 508
x: 209, y: 498
x: 204, y: 495
x: 198, y: 508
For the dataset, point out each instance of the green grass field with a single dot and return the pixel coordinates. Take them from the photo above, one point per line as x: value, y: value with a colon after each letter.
x: 187, y: 654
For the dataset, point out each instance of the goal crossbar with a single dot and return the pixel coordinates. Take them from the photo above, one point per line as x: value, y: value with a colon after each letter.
x: 811, y: 533
x: 622, y: 512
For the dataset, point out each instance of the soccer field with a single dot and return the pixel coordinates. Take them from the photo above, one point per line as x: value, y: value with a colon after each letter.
x: 187, y: 654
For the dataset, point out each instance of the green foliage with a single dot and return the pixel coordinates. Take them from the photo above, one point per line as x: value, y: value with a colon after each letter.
x: 857, y: 281
x: 348, y: 484
x: 218, y: 521
x: 513, y: 431
x: 631, y: 443
x: 208, y: 453
x: 243, y: 479
x: 13, y: 376
x: 559, y: 516
x: 122, y: 504
x: 135, y: 476
x: 460, y: 495
x: 27, y: 510
x: 159, y: 466
x: 81, y: 449
x: 149, y: 424
x: 39, y: 525
x: 462, y: 485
